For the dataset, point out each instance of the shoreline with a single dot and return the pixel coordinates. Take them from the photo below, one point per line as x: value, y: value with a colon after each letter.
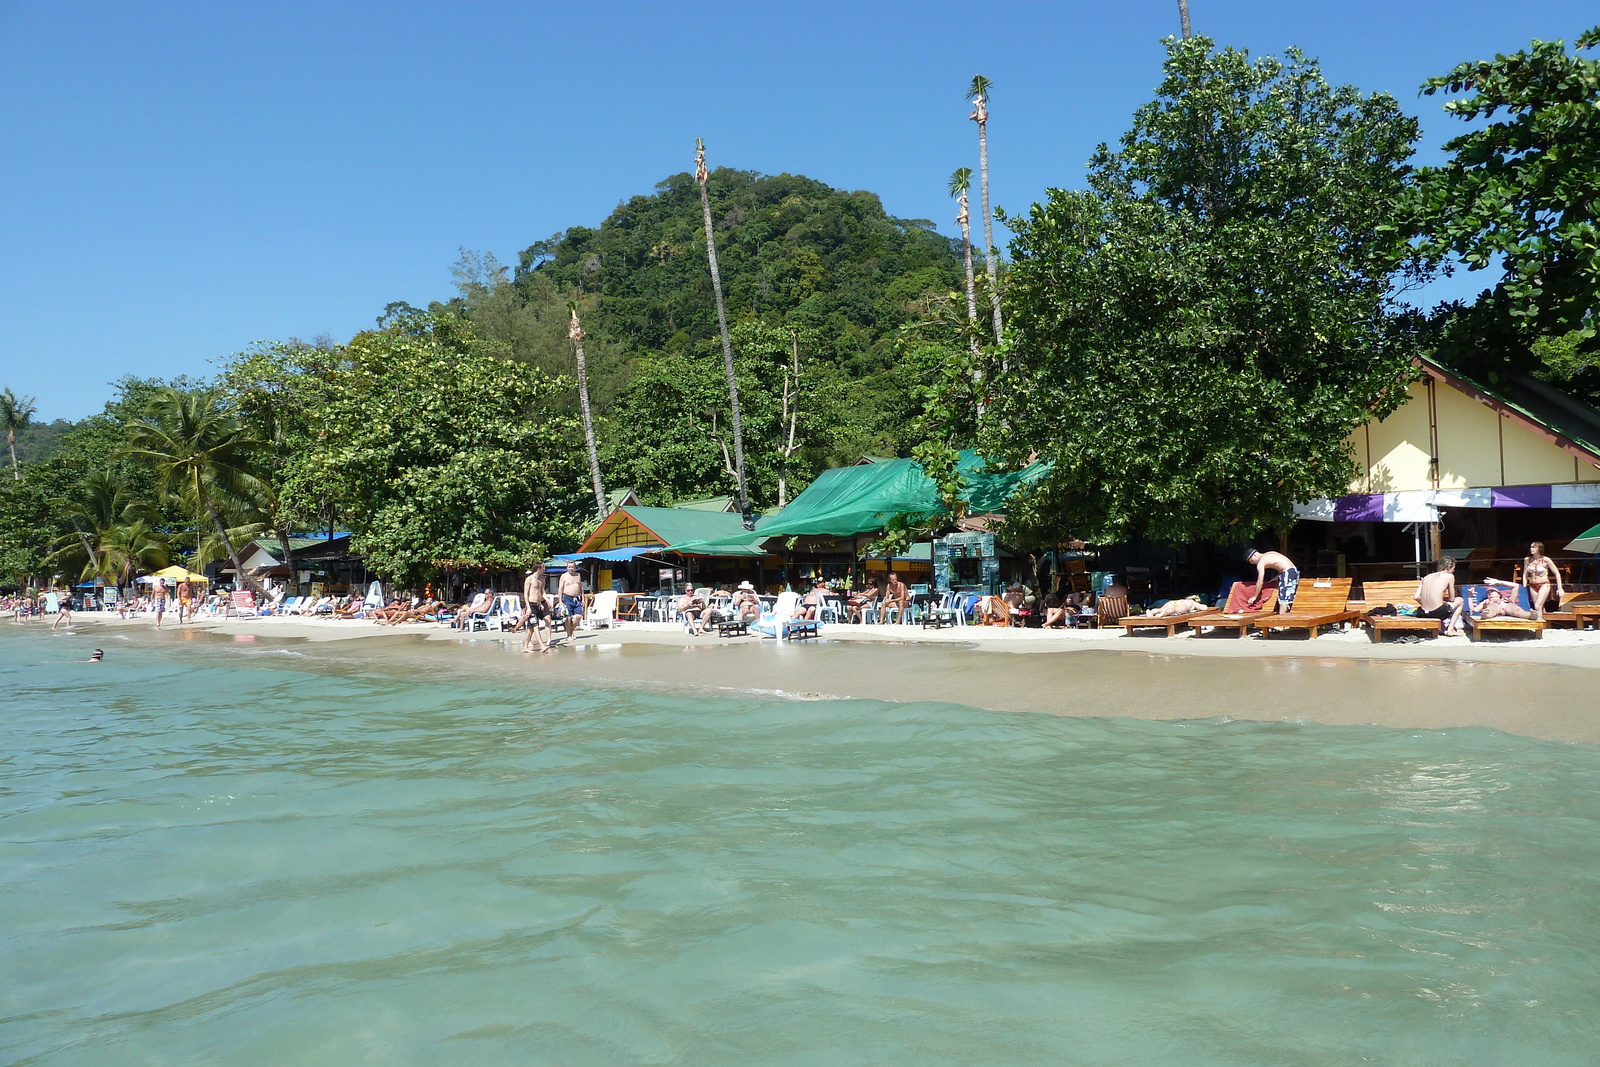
x: 1526, y: 688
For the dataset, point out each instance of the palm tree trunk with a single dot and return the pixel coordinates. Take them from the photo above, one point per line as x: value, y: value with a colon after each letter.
x: 94, y: 557
x: 988, y: 216
x: 233, y: 553
x: 575, y: 331
x: 791, y: 417
x: 1183, y: 17
x: 16, y: 471
x: 703, y: 177
x: 963, y: 218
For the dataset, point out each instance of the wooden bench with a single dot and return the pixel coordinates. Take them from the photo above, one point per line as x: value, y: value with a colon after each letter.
x: 800, y: 629
x: 1319, y: 603
x: 1394, y: 594
x: 1587, y: 615
x: 733, y: 628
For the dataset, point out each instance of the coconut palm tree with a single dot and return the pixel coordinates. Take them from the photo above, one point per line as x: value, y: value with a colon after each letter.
x: 703, y: 176
x: 978, y: 93
x: 130, y: 546
x: 201, y: 456
x: 16, y: 412
x: 1183, y: 18
x: 575, y: 332
x: 960, y: 182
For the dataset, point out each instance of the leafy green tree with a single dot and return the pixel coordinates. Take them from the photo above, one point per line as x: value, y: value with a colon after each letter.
x: 437, y: 452
x: 15, y: 412
x: 1193, y: 338
x: 203, y: 457
x: 1521, y: 191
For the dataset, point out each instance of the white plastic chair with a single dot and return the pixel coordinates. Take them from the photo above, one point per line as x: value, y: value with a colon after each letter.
x: 603, y: 612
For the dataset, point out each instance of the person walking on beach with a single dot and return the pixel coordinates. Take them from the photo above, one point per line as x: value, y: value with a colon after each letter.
x: 1436, y: 597
x: 1288, y: 576
x: 1538, y: 572
x: 536, y: 611
x: 63, y: 612
x: 158, y: 599
x: 571, y: 590
x: 185, y: 601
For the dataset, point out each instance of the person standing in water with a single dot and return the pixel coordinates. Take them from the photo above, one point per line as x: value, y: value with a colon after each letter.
x: 158, y: 599
x: 536, y: 611
x: 1288, y: 576
x: 1539, y: 573
x: 571, y: 590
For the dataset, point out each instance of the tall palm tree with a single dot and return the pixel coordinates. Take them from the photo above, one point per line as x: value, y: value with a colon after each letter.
x: 201, y: 456
x: 703, y: 176
x: 575, y: 332
x: 1183, y: 18
x: 960, y: 182
x: 978, y: 93
x: 16, y: 412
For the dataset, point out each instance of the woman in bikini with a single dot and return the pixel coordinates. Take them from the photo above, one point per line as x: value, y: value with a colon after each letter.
x: 1539, y: 573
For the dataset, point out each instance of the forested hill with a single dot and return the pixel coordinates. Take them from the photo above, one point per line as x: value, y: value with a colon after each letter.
x: 792, y: 251
x: 800, y: 261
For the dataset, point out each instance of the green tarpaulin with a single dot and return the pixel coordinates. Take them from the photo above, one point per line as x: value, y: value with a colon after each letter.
x: 852, y: 500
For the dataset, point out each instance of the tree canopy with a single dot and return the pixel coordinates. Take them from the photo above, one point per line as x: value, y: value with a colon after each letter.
x: 1191, y: 340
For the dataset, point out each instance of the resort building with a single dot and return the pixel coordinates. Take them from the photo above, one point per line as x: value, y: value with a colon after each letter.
x: 1465, y: 468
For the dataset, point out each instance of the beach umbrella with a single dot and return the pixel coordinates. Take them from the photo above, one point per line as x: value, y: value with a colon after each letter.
x: 176, y: 573
x: 1588, y: 541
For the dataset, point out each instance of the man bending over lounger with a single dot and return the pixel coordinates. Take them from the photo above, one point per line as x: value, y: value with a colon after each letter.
x: 571, y: 589
x: 1436, y: 597
x: 1288, y: 576
x: 536, y: 611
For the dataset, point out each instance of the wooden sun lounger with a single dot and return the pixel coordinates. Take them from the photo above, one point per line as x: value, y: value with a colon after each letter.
x: 1239, y: 623
x: 1567, y: 613
x: 1170, y: 623
x: 1587, y: 615
x: 1478, y: 627
x: 1320, y: 603
x: 1394, y: 594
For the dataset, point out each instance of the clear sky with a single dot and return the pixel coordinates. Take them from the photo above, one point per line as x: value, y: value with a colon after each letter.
x: 183, y: 179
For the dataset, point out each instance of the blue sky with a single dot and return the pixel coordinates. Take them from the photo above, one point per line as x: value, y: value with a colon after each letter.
x: 182, y: 180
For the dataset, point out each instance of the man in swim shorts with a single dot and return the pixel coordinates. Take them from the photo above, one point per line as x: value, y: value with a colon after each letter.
x: 158, y: 599
x: 1436, y: 597
x: 571, y: 589
x: 185, y: 601
x: 1288, y: 576
x: 536, y: 614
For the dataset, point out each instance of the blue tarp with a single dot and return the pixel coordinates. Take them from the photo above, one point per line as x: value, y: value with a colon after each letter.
x: 614, y: 555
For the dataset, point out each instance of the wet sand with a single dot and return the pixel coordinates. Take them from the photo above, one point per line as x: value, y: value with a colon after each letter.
x: 1545, y: 689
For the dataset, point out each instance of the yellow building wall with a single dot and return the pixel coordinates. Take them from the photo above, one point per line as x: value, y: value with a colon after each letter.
x: 1478, y: 448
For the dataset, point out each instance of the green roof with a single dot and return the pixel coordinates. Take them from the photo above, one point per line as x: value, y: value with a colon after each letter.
x: 846, y: 501
x: 710, y: 503
x: 677, y: 525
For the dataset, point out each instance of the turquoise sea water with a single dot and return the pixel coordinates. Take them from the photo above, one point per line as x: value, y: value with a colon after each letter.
x: 218, y: 855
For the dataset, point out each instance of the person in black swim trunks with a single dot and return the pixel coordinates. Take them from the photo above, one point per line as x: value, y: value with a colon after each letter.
x: 537, y: 611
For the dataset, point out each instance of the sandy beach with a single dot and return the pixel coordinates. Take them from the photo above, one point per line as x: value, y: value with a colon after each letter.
x: 1541, y: 688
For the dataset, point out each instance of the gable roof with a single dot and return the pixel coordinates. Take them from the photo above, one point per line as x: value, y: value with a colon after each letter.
x: 710, y: 503
x: 1565, y: 421
x: 671, y: 526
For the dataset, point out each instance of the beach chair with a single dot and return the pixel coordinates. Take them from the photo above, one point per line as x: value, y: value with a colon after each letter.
x: 1476, y: 594
x: 1567, y: 613
x: 603, y: 611
x: 1171, y: 624
x: 1396, y: 595
x: 505, y: 613
x: 1321, y: 603
x: 1110, y: 611
x: 778, y: 622
x: 1237, y: 621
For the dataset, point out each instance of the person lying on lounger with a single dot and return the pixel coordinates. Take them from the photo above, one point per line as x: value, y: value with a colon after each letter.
x: 1187, y: 606
x: 1496, y: 606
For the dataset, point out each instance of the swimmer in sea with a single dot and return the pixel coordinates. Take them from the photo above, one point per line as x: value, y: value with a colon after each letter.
x: 97, y: 656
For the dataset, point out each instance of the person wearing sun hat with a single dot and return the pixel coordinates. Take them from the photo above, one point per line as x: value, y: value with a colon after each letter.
x: 746, y: 605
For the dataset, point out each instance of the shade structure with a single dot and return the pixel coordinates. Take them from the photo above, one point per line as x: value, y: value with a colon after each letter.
x: 1588, y: 541
x: 176, y: 573
x: 610, y: 555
